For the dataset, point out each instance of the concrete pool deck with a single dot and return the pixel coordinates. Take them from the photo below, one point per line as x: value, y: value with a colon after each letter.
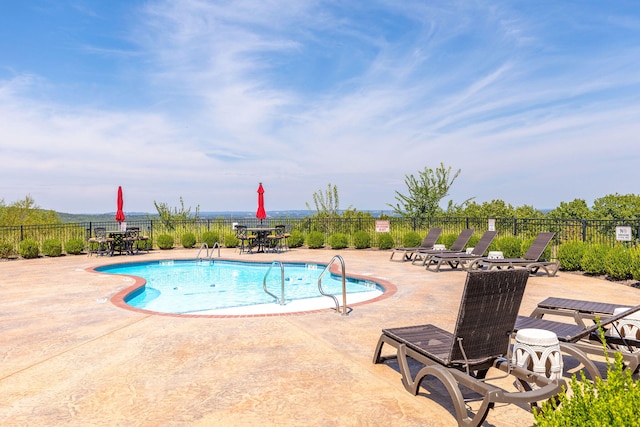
x: 71, y: 357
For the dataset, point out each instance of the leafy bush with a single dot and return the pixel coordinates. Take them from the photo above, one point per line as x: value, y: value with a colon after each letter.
x: 385, y: 241
x: 231, y: 241
x: 611, y: 403
x: 165, y: 241
x: 411, y: 239
x: 618, y: 263
x: 315, y: 240
x: 447, y: 239
x: 210, y: 238
x: 29, y: 249
x: 52, y: 247
x: 570, y: 255
x: 338, y: 241
x: 296, y: 239
x: 6, y: 250
x: 361, y: 240
x: 188, y: 240
x: 635, y: 263
x: 510, y: 246
x: 74, y: 246
x: 593, y: 260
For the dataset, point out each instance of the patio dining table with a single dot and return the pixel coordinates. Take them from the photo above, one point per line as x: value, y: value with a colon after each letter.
x: 260, y: 242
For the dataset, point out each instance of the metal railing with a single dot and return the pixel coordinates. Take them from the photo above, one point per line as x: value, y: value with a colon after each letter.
x: 345, y: 309
x: 591, y: 231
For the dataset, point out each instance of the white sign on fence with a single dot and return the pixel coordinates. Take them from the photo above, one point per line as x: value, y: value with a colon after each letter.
x: 623, y: 232
x: 382, y: 226
x: 492, y: 225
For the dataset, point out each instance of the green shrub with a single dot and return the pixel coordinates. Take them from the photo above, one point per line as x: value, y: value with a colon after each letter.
x: 165, y: 241
x: 411, y: 239
x: 29, y: 249
x: 315, y: 240
x: 611, y: 403
x: 570, y: 255
x: 385, y: 241
x: 74, y: 246
x: 510, y: 246
x: 210, y: 238
x: 593, y: 260
x: 52, y: 247
x: 361, y: 240
x: 635, y: 263
x: 296, y: 239
x: 6, y: 250
x: 338, y: 241
x: 231, y: 241
x: 618, y: 263
x: 447, y: 239
x: 188, y: 240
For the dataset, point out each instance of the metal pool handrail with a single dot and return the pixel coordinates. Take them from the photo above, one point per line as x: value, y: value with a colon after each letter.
x: 204, y: 245
x: 280, y: 301
x: 345, y: 309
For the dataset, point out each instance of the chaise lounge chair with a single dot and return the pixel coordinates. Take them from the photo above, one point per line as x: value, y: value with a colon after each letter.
x: 530, y: 260
x: 579, y: 341
x: 427, y: 243
x: 457, y: 246
x: 463, y: 259
x: 480, y: 341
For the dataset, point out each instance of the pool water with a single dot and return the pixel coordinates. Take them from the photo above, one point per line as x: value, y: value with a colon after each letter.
x: 236, y: 287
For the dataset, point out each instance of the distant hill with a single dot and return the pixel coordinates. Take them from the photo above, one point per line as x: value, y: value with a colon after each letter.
x: 110, y: 216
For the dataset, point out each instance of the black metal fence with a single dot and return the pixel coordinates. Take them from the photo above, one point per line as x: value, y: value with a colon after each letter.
x: 592, y: 231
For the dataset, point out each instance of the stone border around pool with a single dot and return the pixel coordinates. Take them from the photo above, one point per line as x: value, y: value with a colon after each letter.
x: 118, y: 298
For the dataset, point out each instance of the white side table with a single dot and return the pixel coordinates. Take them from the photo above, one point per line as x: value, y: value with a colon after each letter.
x: 628, y: 327
x: 539, y: 351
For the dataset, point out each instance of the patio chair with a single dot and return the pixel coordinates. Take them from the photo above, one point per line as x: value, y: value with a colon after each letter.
x: 480, y: 341
x: 530, y: 260
x: 462, y: 259
x: 427, y: 243
x: 275, y: 239
x: 580, y: 340
x: 457, y: 246
x: 99, y: 244
x: 246, y: 240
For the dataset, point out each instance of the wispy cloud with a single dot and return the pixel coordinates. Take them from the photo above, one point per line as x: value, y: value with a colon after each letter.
x: 215, y: 97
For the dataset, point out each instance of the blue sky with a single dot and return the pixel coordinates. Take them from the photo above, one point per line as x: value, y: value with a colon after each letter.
x: 535, y: 102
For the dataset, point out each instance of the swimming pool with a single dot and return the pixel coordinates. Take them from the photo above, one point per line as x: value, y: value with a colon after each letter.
x: 228, y: 287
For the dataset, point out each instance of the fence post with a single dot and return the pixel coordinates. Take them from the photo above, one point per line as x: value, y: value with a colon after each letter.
x: 584, y: 230
x: 515, y: 227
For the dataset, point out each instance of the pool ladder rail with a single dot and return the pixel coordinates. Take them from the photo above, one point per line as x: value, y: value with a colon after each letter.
x: 208, y: 256
x: 281, y: 300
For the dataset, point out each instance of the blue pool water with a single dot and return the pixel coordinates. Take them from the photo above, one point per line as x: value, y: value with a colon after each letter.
x: 235, y: 287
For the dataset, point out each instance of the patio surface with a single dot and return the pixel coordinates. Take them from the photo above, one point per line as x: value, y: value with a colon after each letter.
x: 71, y: 357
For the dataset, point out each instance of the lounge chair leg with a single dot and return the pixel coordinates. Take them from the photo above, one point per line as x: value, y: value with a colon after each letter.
x: 449, y: 381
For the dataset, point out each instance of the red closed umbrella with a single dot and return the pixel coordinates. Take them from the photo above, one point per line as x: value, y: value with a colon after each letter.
x: 119, y: 212
x: 261, y: 214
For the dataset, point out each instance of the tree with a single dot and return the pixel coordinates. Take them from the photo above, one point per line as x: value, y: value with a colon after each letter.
x: 617, y: 206
x: 26, y: 212
x: 576, y: 209
x: 425, y: 193
x: 327, y: 203
x: 170, y: 215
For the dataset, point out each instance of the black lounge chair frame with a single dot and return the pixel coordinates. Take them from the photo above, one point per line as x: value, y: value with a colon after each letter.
x: 427, y: 243
x: 462, y: 259
x: 480, y: 341
x: 530, y: 260
x: 456, y: 247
